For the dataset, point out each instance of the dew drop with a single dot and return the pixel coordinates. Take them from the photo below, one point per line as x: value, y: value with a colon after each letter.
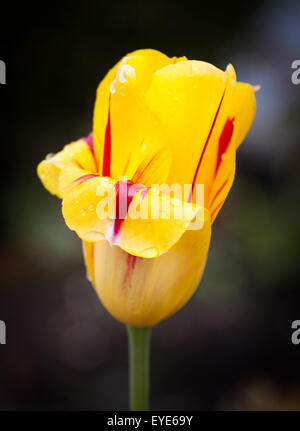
x: 195, y: 68
x: 150, y: 252
x: 113, y: 86
x: 126, y: 71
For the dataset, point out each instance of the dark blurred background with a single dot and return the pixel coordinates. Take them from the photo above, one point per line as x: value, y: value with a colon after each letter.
x: 230, y: 347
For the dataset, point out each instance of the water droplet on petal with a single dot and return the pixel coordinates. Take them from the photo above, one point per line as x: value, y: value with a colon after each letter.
x: 150, y: 252
x: 113, y: 86
x: 195, y: 68
x: 82, y: 212
x: 49, y: 156
x: 125, y: 72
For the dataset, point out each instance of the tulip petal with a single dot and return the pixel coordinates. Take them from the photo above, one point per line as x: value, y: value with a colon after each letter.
x: 151, y: 225
x: 80, y: 207
x: 138, y: 141
x: 222, y: 184
x: 218, y: 165
x: 185, y: 97
x: 207, y: 111
x: 78, y: 154
x: 88, y: 254
x: 243, y: 107
x: 167, y: 219
x: 127, y: 108
x: 142, y: 292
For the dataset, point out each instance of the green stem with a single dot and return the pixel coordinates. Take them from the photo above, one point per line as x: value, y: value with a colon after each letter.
x: 139, y: 353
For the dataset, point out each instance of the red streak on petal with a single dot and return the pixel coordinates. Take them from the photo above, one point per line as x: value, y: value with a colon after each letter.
x: 131, y: 262
x: 107, y: 147
x: 215, y: 210
x: 219, y: 191
x: 83, y: 178
x: 126, y: 167
x: 224, y: 140
x: 78, y: 164
x: 125, y: 192
x: 138, y: 176
x: 205, y: 146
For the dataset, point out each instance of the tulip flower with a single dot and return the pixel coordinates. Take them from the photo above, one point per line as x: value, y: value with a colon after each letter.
x: 157, y: 121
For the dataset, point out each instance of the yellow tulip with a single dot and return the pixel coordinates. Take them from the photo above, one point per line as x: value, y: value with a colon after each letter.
x: 157, y: 120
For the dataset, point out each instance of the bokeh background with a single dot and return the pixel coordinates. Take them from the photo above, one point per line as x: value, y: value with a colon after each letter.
x: 230, y: 347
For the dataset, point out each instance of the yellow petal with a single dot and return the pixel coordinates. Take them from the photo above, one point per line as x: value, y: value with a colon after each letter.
x: 185, y: 97
x: 142, y: 292
x: 166, y: 219
x: 77, y: 154
x: 222, y: 184
x: 138, y: 141
x: 234, y: 119
x: 151, y: 225
x: 80, y: 204
x: 88, y: 255
x: 243, y: 107
x: 238, y: 106
x: 196, y: 103
x: 135, y: 131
